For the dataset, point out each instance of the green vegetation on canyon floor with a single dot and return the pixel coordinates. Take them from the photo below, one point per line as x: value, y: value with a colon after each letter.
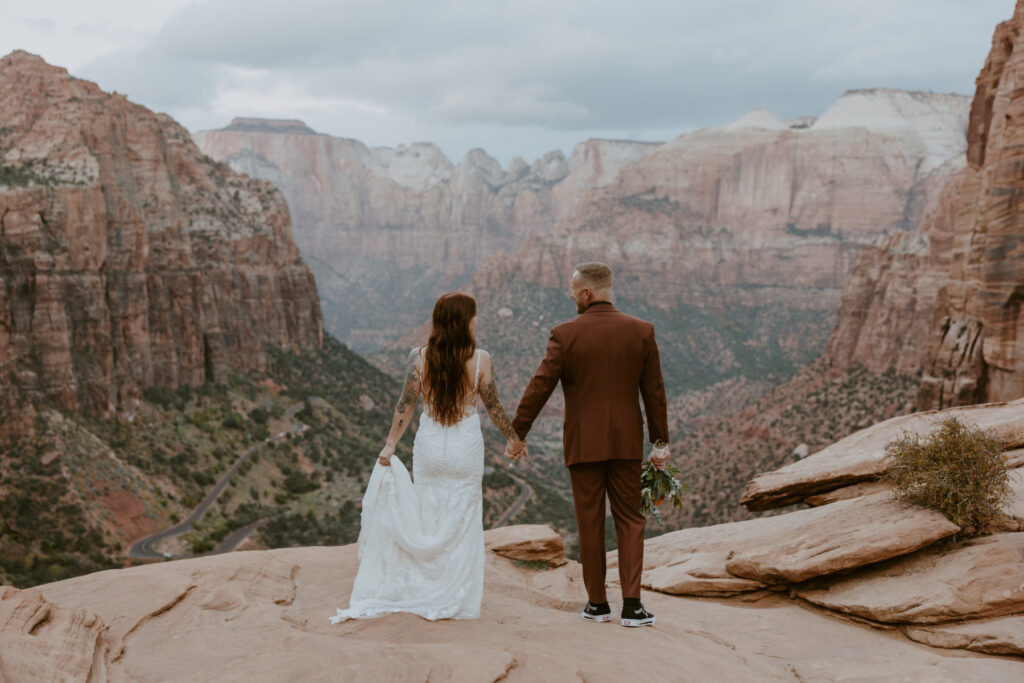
x: 75, y: 491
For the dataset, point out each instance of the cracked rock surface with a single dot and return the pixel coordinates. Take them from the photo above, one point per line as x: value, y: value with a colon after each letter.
x: 263, y: 615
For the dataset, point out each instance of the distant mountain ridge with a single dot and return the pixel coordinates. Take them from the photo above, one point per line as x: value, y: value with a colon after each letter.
x: 387, y: 229
x: 251, y: 125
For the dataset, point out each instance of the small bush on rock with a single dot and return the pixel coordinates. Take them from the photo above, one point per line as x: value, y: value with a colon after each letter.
x: 957, y: 470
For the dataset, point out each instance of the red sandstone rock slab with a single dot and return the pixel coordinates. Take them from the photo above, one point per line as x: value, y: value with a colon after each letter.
x: 1015, y: 458
x: 999, y: 636
x: 982, y: 578
x: 740, y: 557
x: 861, y: 456
x: 864, y: 488
x: 1014, y: 509
x: 527, y: 542
x: 529, y: 629
x: 40, y: 641
x: 844, y: 535
x: 692, y: 561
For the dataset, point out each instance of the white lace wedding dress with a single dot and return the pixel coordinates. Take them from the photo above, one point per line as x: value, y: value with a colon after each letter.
x: 421, y: 547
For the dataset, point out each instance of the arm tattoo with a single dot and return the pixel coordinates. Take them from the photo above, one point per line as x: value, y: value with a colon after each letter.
x: 411, y: 391
x: 489, y: 395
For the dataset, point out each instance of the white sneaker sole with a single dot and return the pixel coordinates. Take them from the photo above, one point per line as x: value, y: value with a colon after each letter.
x: 637, y: 622
x: 600, y: 618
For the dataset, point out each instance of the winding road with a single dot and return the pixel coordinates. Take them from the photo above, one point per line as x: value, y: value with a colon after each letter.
x: 143, y: 549
x: 524, y: 495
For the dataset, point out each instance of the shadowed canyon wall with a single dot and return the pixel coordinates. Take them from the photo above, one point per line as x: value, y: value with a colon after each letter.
x: 128, y: 258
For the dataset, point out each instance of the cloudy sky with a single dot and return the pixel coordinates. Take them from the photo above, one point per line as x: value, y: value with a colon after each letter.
x: 515, y: 77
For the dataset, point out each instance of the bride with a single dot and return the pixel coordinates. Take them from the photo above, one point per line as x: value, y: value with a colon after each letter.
x: 421, y: 548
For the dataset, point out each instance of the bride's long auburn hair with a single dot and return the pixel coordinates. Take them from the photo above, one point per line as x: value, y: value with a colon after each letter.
x: 451, y: 344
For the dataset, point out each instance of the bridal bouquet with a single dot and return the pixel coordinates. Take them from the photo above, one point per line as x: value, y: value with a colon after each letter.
x: 658, y: 485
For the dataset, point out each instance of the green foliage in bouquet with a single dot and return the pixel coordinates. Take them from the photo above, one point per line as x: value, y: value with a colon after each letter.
x: 957, y: 470
x: 657, y: 486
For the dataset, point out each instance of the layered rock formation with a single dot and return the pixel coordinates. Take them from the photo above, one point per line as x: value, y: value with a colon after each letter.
x: 211, y: 619
x: 861, y: 456
x: 388, y: 229
x: 753, y: 211
x: 893, y: 324
x: 723, y: 216
x: 128, y: 259
x: 946, y: 300
x: 737, y: 240
x: 864, y: 553
x: 977, y: 350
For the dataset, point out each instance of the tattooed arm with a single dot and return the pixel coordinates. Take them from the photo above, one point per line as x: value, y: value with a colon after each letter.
x: 489, y: 395
x: 405, y: 408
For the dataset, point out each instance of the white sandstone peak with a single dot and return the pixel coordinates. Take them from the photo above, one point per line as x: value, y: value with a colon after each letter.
x: 551, y: 167
x: 596, y: 162
x: 757, y: 118
x: 418, y: 166
x: 937, y: 121
x: 480, y: 165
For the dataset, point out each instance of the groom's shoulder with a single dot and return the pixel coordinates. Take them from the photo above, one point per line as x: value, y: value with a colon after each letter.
x: 563, y: 328
x: 645, y: 325
x: 611, y: 318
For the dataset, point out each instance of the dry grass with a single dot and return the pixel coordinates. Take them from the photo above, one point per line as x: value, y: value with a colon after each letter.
x: 958, y: 470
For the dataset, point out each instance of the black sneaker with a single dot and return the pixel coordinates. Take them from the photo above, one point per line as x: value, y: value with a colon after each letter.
x: 599, y: 613
x: 636, y: 616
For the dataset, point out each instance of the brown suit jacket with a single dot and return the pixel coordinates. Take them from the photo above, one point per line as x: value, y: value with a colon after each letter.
x: 603, y: 358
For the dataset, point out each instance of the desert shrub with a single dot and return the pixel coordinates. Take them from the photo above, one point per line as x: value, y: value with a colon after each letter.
x: 165, y: 397
x: 233, y: 421
x: 298, y: 483
x: 957, y: 470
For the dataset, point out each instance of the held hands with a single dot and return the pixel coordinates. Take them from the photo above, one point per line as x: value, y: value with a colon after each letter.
x: 659, y: 457
x: 516, y: 450
x: 384, y: 458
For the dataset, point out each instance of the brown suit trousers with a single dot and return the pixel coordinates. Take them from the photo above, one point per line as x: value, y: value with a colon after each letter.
x: 606, y: 361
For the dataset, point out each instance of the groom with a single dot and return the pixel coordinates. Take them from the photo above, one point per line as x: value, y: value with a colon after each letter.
x: 604, y: 360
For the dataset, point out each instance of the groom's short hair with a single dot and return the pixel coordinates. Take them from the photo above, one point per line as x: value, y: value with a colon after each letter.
x: 597, y: 275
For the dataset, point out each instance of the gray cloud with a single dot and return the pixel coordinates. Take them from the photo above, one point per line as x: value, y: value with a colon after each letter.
x: 538, y: 73
x: 40, y: 24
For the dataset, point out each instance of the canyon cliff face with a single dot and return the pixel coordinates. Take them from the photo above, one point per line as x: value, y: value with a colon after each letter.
x: 128, y: 259
x: 386, y: 230
x: 757, y: 204
x: 885, y: 314
x: 737, y: 241
x: 927, y: 319
x: 977, y: 349
x: 739, y: 215
x: 944, y: 302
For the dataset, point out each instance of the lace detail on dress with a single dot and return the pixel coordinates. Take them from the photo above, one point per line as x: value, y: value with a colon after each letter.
x: 421, y: 548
